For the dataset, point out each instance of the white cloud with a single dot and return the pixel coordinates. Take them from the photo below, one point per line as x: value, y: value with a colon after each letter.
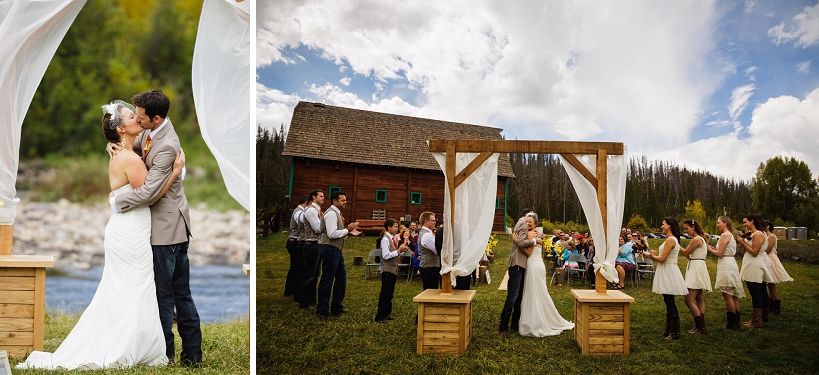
x: 739, y: 100
x: 554, y: 70
x: 783, y: 126
x: 804, y: 28
x: 749, y: 71
x: 273, y: 107
x: 803, y: 67
x: 345, y: 81
x: 718, y: 123
x: 749, y: 5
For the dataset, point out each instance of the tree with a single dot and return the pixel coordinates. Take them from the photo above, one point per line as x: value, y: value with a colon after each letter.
x: 272, y: 170
x: 637, y: 222
x: 694, y: 210
x: 784, y: 188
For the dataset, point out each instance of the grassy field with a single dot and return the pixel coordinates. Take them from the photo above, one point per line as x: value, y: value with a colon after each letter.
x: 224, y: 349
x: 291, y: 341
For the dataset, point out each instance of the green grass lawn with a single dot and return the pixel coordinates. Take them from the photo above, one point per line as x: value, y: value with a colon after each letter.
x: 289, y: 340
x: 224, y: 349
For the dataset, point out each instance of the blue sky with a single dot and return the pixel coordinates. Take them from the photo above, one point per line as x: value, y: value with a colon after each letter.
x: 720, y: 86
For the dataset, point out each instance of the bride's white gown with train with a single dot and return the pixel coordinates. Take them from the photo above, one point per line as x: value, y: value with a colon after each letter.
x: 539, y: 316
x: 120, y: 328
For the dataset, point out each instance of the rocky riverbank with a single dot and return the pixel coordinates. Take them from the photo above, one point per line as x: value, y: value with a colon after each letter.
x: 74, y: 234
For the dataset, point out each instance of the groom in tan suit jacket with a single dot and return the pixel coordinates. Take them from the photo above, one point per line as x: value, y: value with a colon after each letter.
x: 170, y: 224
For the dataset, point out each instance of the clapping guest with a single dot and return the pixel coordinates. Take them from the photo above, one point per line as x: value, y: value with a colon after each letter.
x: 624, y: 262
x: 389, y: 268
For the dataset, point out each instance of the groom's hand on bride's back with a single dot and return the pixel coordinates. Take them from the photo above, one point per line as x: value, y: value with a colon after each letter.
x: 112, y: 149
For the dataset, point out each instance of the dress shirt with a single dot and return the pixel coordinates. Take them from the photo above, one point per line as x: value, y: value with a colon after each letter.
x: 331, y: 223
x: 427, y: 241
x: 385, y: 247
x: 312, y: 217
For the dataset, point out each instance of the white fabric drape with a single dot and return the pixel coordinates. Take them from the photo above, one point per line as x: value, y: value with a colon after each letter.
x: 474, y: 214
x: 30, y: 32
x: 221, y: 90
x: 606, y: 244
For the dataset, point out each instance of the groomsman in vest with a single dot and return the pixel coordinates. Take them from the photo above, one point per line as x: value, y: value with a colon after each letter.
x: 430, y: 265
x: 311, y: 219
x: 333, y: 273
x: 294, y: 247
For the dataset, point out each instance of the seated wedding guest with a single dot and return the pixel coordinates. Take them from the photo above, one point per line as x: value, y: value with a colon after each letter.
x: 389, y: 268
x: 624, y: 262
x: 570, y: 250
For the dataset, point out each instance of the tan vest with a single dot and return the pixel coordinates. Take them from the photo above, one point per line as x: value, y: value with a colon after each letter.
x: 294, y: 225
x: 338, y: 243
x: 428, y: 258
x: 390, y: 265
x: 309, y: 233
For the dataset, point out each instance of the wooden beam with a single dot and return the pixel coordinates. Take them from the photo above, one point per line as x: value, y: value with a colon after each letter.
x: 602, y: 201
x: 472, y: 167
x: 526, y: 147
x: 580, y: 168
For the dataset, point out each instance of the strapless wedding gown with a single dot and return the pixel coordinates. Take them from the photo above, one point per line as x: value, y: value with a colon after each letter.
x: 120, y: 328
x: 539, y: 316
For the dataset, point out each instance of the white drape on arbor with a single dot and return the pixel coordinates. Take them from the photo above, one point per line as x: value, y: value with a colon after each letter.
x: 30, y: 32
x: 474, y: 214
x: 606, y: 244
x: 221, y: 90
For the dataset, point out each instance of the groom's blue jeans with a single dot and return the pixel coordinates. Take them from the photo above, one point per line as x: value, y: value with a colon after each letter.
x: 172, y: 276
x: 514, y: 294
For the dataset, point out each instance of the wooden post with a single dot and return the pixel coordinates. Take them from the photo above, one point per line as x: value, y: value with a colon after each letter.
x: 6, y: 239
x: 602, y: 197
x: 446, y: 279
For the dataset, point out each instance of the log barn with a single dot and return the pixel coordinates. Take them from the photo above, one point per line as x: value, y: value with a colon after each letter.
x: 379, y: 160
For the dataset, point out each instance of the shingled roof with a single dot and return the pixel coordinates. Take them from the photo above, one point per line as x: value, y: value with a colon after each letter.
x: 376, y: 138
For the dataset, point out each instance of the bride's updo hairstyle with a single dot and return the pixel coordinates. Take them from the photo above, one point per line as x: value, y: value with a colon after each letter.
x: 112, y: 119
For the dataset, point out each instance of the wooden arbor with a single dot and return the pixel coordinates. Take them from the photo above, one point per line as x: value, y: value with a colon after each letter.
x: 22, y: 298
x: 594, y: 316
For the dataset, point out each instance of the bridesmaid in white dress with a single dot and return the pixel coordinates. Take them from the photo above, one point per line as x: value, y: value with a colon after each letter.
x: 778, y: 272
x: 728, y: 280
x: 668, y: 279
x: 696, y: 274
x: 120, y: 328
x: 755, y: 269
x: 539, y: 316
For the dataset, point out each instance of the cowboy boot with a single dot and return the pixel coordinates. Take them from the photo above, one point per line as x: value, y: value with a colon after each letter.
x: 737, y: 319
x: 675, y: 328
x: 702, y: 330
x: 667, y: 325
x: 694, y: 329
x: 775, y: 308
x: 729, y: 320
x: 756, y: 319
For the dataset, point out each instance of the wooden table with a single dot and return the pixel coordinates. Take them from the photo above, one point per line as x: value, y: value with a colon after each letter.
x: 444, y: 321
x: 602, y: 321
x: 22, y: 302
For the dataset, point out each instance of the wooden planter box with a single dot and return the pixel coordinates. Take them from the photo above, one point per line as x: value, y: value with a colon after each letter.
x: 602, y: 321
x: 22, y: 303
x: 444, y: 321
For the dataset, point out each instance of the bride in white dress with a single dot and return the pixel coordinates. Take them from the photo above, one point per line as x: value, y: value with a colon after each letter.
x: 120, y: 328
x: 539, y: 316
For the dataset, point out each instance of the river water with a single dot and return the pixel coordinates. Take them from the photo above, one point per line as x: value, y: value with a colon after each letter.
x: 220, y: 292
